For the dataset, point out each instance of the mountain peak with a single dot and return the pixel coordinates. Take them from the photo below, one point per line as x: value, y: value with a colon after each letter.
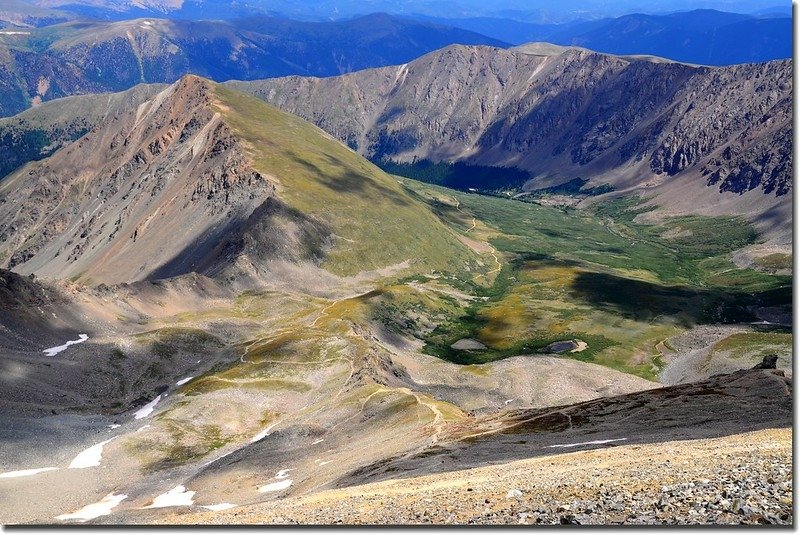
x: 193, y: 80
x: 560, y: 113
x: 193, y: 86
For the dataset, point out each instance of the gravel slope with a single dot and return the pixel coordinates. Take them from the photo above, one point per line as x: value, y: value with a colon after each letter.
x: 745, y: 478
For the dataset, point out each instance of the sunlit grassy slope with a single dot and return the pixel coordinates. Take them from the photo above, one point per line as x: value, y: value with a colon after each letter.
x: 376, y: 222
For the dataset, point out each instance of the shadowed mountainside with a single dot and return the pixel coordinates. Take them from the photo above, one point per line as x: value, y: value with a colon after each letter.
x: 718, y: 406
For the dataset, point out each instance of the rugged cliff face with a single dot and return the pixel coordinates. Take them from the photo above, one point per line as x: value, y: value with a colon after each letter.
x: 734, y: 122
x: 560, y: 113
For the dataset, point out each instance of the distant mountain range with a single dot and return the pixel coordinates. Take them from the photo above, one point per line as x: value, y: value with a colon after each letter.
x: 702, y: 36
x: 83, y: 56
x: 714, y: 139
x: 38, y: 64
x: 541, y: 12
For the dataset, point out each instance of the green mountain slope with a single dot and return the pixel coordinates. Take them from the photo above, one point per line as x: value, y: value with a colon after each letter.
x: 376, y: 222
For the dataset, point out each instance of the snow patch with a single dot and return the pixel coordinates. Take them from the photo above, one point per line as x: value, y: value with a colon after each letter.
x: 283, y: 474
x: 538, y: 69
x: 589, y: 443
x: 145, y: 411
x: 53, y: 351
x: 218, y: 506
x: 274, y: 487
x: 581, y: 346
x: 184, y: 381
x: 101, y: 508
x: 173, y: 498
x: 317, y: 441
x: 262, y: 434
x: 28, y: 472
x: 90, y: 456
x: 400, y: 75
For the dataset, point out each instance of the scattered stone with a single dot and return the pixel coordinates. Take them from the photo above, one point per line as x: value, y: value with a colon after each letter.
x: 769, y: 362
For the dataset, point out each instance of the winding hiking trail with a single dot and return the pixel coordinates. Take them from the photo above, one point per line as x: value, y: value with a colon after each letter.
x: 438, y: 419
x: 324, y: 312
x: 474, y: 221
x: 493, y: 250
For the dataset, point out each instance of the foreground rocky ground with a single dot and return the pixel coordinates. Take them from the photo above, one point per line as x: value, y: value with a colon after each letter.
x: 738, y: 479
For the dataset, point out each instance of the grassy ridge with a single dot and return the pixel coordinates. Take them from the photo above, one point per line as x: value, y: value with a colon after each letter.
x: 376, y: 222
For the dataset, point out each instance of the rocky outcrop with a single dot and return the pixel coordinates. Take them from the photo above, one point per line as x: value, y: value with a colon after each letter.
x: 155, y: 187
x: 766, y: 164
x: 733, y: 123
x: 769, y: 362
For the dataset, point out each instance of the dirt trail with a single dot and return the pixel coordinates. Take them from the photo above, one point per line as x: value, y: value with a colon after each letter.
x: 495, y: 270
x: 493, y: 250
x: 474, y: 221
x: 438, y: 418
x: 325, y: 310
